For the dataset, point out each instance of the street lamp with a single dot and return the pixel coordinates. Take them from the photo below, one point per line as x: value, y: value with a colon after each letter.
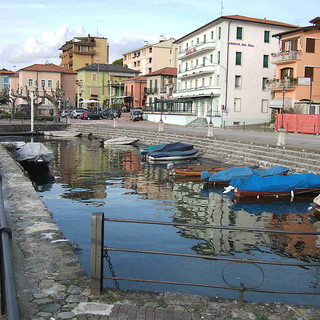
x: 161, y: 121
x: 98, y: 105
x: 284, y: 90
x: 210, y: 125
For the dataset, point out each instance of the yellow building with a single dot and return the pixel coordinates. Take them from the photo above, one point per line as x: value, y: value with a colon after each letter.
x: 84, y: 51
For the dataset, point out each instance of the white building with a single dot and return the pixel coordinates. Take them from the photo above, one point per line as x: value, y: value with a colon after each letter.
x: 223, y: 67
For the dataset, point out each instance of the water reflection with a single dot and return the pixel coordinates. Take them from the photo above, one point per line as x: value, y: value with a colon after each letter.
x: 115, y: 181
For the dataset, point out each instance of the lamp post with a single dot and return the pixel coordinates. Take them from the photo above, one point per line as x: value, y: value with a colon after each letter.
x: 98, y: 104
x: 210, y: 125
x: 281, y: 130
x: 161, y: 121
x: 32, y: 110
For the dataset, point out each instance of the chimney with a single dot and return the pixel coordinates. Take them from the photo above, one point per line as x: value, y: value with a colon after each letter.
x: 162, y: 38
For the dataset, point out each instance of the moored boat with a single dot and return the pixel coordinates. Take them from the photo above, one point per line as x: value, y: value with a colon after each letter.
x: 119, y: 141
x: 242, y: 173
x: 277, y: 185
x: 34, y: 154
x: 172, y: 151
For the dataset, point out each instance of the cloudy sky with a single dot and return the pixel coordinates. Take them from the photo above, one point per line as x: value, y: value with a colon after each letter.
x: 33, y: 31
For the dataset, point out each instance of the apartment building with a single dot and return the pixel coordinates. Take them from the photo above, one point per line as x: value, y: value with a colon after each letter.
x: 135, y: 90
x: 160, y: 84
x: 84, y: 51
x: 296, y: 84
x: 4, y: 78
x: 102, y: 85
x: 45, y: 76
x: 152, y: 57
x: 223, y: 69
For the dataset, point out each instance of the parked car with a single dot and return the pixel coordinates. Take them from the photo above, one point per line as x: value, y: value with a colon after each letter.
x: 78, y: 112
x: 90, y: 116
x: 64, y: 113
x: 111, y: 113
x: 136, y: 115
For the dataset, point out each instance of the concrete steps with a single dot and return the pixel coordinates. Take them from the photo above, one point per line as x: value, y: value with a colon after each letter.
x: 219, y: 150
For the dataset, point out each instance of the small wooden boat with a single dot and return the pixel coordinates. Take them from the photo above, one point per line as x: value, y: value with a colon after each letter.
x: 119, y: 141
x: 276, y: 186
x: 193, y: 171
x: 62, y: 134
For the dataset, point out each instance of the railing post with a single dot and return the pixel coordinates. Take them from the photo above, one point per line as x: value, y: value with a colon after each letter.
x: 97, y: 242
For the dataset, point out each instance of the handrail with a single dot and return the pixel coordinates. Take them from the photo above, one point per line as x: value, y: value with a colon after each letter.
x: 100, y: 251
x: 9, y: 301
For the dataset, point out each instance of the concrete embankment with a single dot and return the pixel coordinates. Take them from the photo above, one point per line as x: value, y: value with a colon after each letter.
x: 51, y: 284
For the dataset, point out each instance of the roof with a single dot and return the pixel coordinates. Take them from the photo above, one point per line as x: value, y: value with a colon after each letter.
x: 148, y: 45
x: 244, y: 19
x: 299, y: 30
x: 137, y: 79
x: 167, y: 71
x: 48, y: 67
x: 6, y: 72
x: 108, y: 68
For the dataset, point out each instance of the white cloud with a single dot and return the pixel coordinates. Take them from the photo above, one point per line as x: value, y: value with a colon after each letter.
x: 42, y: 47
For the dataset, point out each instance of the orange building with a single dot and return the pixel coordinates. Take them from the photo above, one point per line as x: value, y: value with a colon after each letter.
x: 297, y: 80
x: 135, y: 91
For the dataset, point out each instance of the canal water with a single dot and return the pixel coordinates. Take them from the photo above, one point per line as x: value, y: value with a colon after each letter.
x: 86, y: 178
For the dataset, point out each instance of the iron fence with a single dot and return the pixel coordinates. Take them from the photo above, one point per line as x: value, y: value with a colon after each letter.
x: 99, y: 252
x: 9, y: 302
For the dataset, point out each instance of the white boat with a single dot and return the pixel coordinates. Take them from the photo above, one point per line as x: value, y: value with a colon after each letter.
x: 120, y: 141
x: 35, y: 153
x: 66, y: 134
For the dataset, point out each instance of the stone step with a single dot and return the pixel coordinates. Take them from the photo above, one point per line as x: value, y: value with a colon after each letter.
x: 222, y: 150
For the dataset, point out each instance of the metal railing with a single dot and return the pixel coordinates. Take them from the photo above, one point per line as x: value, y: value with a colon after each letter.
x: 99, y: 251
x: 9, y: 302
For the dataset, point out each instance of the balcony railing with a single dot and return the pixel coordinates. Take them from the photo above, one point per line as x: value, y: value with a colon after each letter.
x: 197, y: 70
x: 152, y: 90
x: 196, y: 49
x: 286, y: 56
x: 279, y: 84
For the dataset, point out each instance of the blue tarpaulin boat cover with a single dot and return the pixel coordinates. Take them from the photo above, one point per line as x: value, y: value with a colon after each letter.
x: 175, y: 146
x: 242, y: 173
x: 278, y: 183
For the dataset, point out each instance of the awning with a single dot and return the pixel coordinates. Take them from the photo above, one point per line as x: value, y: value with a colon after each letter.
x: 278, y: 103
x: 89, y: 101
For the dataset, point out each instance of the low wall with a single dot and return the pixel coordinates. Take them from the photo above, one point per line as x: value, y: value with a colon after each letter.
x: 299, y: 123
x: 23, y: 128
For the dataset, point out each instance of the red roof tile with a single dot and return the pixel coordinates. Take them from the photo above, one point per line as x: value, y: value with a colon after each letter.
x: 48, y: 67
x: 168, y: 71
x: 139, y: 78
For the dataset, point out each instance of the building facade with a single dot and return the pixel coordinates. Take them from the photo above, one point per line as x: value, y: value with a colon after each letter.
x: 102, y: 85
x: 4, y: 78
x: 135, y: 91
x: 45, y: 76
x: 84, y: 51
x: 152, y: 57
x: 296, y: 84
x: 223, y: 68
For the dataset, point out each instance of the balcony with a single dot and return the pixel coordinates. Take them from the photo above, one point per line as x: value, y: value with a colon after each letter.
x: 90, y: 52
x: 152, y: 90
x: 197, y: 71
x: 286, y: 56
x: 200, y: 48
x: 279, y: 84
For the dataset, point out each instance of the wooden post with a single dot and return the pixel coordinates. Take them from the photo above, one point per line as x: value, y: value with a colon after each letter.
x: 97, y: 243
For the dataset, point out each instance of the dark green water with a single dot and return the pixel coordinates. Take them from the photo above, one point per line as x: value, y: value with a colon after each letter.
x: 115, y: 181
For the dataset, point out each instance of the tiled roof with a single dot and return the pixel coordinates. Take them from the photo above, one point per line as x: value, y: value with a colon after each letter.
x: 241, y: 18
x: 168, y: 71
x: 108, y: 68
x: 48, y: 67
x: 139, y: 78
x: 265, y: 21
x: 6, y: 72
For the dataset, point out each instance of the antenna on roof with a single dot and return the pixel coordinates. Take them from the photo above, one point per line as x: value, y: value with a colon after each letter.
x: 221, y: 8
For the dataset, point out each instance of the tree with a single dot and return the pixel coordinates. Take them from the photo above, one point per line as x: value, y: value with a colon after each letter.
x: 54, y: 97
x: 119, y: 62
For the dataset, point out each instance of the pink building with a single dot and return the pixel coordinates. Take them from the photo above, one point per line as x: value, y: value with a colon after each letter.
x: 135, y: 91
x: 47, y: 76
